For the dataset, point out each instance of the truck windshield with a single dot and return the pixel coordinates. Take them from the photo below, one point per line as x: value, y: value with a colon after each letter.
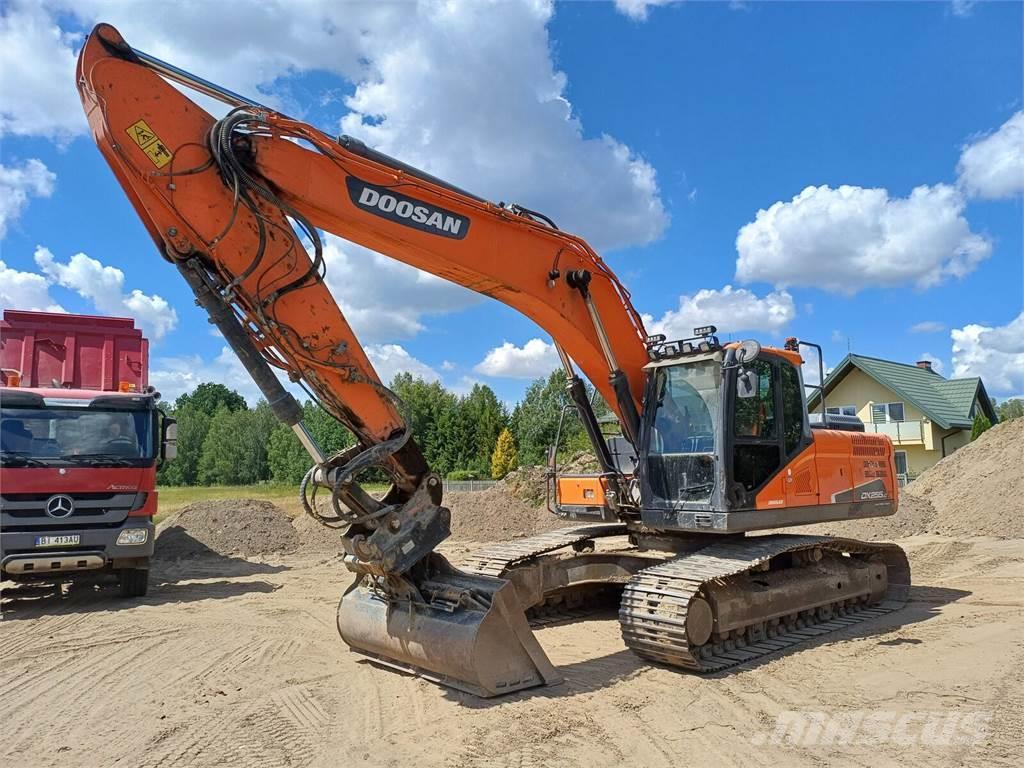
x: 44, y: 436
x: 683, y: 435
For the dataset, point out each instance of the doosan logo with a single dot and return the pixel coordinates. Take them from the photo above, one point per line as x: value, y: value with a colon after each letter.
x: 409, y: 211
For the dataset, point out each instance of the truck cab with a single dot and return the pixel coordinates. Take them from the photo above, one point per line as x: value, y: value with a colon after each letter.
x: 77, y: 464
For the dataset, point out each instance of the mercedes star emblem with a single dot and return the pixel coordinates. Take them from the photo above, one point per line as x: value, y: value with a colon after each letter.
x: 60, y: 506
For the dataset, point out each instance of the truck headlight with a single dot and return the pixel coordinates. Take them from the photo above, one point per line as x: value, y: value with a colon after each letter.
x: 132, y: 536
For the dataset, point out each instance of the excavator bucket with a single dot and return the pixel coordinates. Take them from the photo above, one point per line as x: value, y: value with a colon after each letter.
x: 472, y: 636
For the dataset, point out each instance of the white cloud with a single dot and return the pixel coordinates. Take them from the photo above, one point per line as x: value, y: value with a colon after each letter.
x: 993, y: 165
x: 996, y: 354
x: 37, y: 88
x: 173, y: 376
x: 25, y: 290
x: 383, y: 299
x: 465, y: 385
x: 534, y: 359
x: 426, y: 78
x: 962, y: 8
x: 392, y: 359
x: 447, y: 365
x: 519, y: 142
x: 937, y: 365
x: 104, y: 287
x: 847, y: 239
x: 928, y: 326
x: 20, y: 182
x: 729, y: 309
x: 176, y: 375
x: 837, y: 336
x: 637, y: 9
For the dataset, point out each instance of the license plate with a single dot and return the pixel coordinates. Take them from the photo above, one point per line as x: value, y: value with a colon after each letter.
x: 58, y: 541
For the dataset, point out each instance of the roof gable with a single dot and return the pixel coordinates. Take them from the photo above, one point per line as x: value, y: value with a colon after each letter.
x: 947, y: 402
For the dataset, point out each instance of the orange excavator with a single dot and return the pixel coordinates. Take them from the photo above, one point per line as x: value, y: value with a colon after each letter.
x: 716, y: 446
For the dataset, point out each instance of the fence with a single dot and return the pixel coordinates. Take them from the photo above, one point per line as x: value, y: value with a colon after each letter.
x: 468, y: 485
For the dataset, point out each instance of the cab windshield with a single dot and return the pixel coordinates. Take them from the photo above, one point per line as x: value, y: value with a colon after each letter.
x: 684, y: 432
x: 51, y: 436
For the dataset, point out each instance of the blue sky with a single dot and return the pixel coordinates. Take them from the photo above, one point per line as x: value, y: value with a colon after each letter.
x: 719, y: 111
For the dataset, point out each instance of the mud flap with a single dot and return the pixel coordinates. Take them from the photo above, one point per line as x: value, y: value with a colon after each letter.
x: 480, y: 644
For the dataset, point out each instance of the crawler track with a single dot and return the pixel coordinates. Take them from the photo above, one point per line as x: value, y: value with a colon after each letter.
x: 566, y: 605
x: 496, y: 559
x: 655, y: 602
x: 654, y: 605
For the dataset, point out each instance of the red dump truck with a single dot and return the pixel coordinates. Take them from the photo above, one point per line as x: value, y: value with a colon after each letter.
x: 81, y: 436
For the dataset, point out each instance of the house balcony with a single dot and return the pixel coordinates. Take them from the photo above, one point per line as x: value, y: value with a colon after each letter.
x: 901, y: 432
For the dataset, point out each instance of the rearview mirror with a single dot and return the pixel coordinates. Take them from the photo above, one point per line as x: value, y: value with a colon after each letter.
x: 169, y: 446
x: 746, y: 385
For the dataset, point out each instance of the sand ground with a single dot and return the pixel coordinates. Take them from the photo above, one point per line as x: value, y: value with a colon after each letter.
x: 237, y: 662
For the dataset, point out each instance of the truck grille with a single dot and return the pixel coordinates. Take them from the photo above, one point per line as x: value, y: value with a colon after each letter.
x: 25, y: 511
x: 41, y: 497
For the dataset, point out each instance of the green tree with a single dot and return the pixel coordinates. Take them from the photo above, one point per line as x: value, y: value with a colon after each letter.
x: 1010, y: 409
x: 981, y: 424
x: 504, y: 459
x: 535, y: 420
x: 193, y: 425
x: 235, y: 448
x: 288, y: 460
x: 428, y: 406
x: 208, y: 397
x: 488, y: 418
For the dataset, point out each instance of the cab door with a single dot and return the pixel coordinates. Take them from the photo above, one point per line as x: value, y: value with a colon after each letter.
x: 773, y: 453
x: 800, y: 469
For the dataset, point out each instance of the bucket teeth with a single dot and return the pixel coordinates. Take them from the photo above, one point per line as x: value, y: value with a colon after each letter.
x: 459, y: 629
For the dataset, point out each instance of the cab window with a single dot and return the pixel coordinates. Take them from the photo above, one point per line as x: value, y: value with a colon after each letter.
x: 755, y: 409
x: 792, y: 409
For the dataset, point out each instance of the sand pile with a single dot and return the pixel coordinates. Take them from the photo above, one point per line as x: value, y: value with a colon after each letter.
x: 527, y: 484
x: 246, y: 527
x: 498, y: 514
x: 316, y: 537
x: 976, y: 491
x: 979, y: 489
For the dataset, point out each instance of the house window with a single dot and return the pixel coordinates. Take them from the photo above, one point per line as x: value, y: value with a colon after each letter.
x: 842, y: 410
x: 901, y: 463
x: 886, y: 412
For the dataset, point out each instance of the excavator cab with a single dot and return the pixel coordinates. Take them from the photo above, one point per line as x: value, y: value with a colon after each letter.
x: 726, y: 445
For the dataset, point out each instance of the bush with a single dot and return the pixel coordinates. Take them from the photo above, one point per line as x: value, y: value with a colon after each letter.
x: 505, y: 457
x: 981, y: 424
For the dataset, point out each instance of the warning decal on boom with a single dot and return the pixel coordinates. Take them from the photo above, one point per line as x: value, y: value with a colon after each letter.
x: 150, y: 143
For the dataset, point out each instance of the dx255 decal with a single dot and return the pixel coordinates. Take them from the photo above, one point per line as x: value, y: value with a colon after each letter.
x: 405, y: 210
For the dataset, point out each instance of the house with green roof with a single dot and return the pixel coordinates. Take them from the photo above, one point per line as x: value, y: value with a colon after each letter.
x: 927, y: 416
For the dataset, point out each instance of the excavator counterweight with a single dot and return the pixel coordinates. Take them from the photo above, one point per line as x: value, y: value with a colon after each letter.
x: 715, y: 441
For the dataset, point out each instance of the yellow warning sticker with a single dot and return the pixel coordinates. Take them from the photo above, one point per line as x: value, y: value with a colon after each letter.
x: 158, y: 153
x: 150, y: 143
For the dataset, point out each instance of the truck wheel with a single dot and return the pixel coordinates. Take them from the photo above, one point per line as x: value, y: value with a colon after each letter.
x: 134, y: 581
